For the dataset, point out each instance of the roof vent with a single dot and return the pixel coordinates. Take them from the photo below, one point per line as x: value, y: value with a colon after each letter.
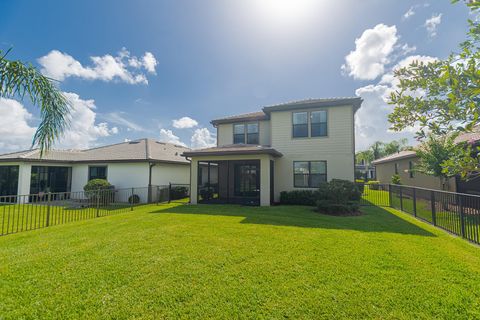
x: 133, y: 142
x: 160, y: 142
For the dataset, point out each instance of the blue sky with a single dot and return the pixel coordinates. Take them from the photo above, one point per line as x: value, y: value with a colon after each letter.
x: 212, y: 59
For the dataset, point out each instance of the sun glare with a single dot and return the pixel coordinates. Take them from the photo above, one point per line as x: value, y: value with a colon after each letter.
x: 286, y: 12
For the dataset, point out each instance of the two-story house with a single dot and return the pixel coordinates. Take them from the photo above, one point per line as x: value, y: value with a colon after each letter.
x: 290, y: 146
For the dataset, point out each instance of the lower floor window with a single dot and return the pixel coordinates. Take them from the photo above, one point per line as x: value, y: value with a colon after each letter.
x: 99, y: 172
x: 309, y: 174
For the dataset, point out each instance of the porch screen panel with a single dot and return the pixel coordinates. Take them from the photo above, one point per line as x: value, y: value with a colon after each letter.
x: 246, y: 180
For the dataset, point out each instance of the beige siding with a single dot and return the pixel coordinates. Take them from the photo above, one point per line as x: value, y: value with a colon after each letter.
x: 225, y: 133
x: 337, y: 148
x: 386, y: 170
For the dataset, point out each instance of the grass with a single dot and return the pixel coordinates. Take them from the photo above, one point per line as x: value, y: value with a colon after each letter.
x: 177, y: 261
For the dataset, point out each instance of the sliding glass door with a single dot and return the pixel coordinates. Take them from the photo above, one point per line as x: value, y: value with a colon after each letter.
x: 50, y: 179
x: 8, y: 180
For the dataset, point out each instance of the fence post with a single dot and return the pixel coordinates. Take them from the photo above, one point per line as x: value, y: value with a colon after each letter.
x: 158, y: 195
x: 389, y: 195
x: 434, y: 216
x: 169, y: 192
x: 48, y: 209
x: 462, y: 217
x: 131, y: 200
x: 98, y: 203
x: 401, y: 198
x: 414, y: 201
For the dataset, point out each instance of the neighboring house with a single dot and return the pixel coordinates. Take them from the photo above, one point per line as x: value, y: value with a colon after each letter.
x: 403, y: 164
x: 290, y: 146
x: 138, y: 163
x: 367, y: 170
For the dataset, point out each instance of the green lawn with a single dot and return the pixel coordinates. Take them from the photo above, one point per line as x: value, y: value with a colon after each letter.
x: 179, y: 261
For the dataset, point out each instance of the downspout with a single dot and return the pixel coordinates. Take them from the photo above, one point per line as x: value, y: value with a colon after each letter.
x: 150, y: 166
x: 190, y: 160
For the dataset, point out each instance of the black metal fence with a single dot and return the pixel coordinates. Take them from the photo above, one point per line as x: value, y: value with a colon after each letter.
x: 457, y: 213
x: 34, y: 211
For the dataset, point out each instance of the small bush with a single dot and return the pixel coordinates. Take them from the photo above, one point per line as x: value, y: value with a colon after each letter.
x: 134, y: 199
x: 338, y: 197
x: 100, y: 190
x: 178, y: 193
x: 299, y: 197
x: 373, y: 184
x: 396, y: 179
x: 360, y: 186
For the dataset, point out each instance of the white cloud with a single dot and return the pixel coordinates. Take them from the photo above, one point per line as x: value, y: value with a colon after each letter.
x: 372, y: 52
x: 203, y: 138
x: 371, y: 122
x: 432, y: 24
x: 15, y: 131
x: 410, y: 12
x: 119, y: 118
x: 168, y: 136
x: 83, y: 129
x: 184, y: 123
x: 59, y: 66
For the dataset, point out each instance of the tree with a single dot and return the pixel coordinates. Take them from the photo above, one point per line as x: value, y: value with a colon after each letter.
x: 395, y: 146
x: 443, y: 96
x: 433, y: 154
x: 18, y: 80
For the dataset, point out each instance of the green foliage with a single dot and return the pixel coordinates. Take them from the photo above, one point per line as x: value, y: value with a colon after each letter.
x: 381, y: 149
x: 396, y: 179
x: 373, y: 184
x: 99, y: 190
x: 17, y: 80
x: 299, y: 197
x: 134, y: 199
x: 178, y: 192
x: 97, y: 184
x: 442, y: 97
x: 338, y: 197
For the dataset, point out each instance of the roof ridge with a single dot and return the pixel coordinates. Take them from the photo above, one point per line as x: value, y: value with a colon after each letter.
x: 28, y: 154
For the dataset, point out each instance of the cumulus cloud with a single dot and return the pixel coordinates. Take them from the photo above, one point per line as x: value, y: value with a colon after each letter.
x: 16, y: 133
x: 59, y: 65
x: 432, y: 24
x: 168, y: 136
x: 372, y: 52
x: 83, y: 129
x: 203, y: 138
x: 371, y: 123
x: 184, y: 123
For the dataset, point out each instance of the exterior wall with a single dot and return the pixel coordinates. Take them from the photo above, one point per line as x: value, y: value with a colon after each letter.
x: 165, y: 173
x: 386, y: 170
x: 225, y: 133
x: 79, y: 177
x: 337, y: 148
x: 264, y: 174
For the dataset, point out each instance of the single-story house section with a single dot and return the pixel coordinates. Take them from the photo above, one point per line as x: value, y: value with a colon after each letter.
x: 138, y: 163
x: 403, y: 164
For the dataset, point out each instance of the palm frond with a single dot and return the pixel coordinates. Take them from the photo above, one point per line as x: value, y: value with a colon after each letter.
x: 18, y: 79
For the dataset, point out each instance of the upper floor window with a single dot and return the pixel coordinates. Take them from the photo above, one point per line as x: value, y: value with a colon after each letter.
x: 313, y: 124
x: 318, y: 123
x: 99, y: 172
x: 300, y: 124
x: 245, y: 133
x: 396, y: 168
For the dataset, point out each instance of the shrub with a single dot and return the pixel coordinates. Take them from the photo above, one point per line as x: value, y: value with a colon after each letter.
x: 373, y: 184
x: 134, y: 199
x: 178, y: 193
x: 99, y: 190
x: 360, y: 186
x: 338, y: 197
x: 299, y: 197
x: 396, y: 179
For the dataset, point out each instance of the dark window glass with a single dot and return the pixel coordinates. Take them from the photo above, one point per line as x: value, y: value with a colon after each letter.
x: 239, y: 133
x: 410, y: 169
x: 252, y: 133
x: 300, y: 124
x: 396, y: 168
x: 318, y: 123
x: 8, y: 181
x: 50, y: 179
x: 97, y: 173
x: 309, y: 174
x: 247, y: 180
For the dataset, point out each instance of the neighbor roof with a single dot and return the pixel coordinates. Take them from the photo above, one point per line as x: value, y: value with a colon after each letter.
x: 396, y: 156
x: 131, y: 151
x: 234, y: 149
x: 292, y: 105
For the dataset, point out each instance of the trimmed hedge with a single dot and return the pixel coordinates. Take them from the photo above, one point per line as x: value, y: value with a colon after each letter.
x: 299, y: 197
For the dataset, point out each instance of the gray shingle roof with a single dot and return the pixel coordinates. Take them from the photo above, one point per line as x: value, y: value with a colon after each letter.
x: 137, y: 150
x: 234, y: 149
x: 396, y: 156
x: 292, y: 105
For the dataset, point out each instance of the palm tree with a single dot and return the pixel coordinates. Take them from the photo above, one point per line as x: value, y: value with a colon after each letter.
x: 18, y: 79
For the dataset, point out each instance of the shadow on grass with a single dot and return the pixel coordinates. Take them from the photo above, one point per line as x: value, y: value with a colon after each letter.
x: 374, y: 219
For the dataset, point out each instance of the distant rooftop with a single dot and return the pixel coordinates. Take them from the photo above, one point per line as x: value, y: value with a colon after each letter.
x: 234, y: 149
x: 131, y: 151
x: 292, y: 105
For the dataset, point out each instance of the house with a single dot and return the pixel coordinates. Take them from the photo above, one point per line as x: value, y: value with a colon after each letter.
x: 403, y: 164
x: 365, y: 170
x: 137, y: 163
x: 284, y: 147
